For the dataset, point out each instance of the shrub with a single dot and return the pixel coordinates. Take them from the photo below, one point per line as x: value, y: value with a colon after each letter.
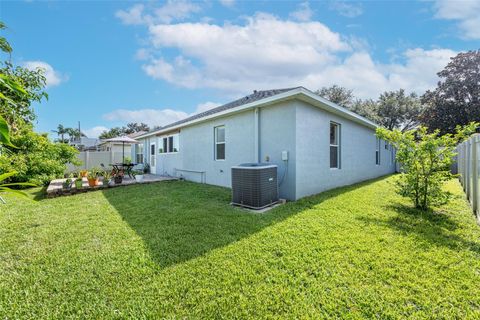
x: 425, y: 159
x: 36, y: 159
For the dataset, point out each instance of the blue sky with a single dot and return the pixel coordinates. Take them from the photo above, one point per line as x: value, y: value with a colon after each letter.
x: 112, y: 62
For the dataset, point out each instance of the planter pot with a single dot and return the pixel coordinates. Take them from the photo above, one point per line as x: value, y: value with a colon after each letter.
x: 83, y: 174
x: 93, y: 182
x: 106, y: 182
x: 118, y: 179
x: 79, y: 184
x: 139, y: 177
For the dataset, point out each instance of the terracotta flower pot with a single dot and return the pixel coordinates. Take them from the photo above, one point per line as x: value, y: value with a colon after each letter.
x: 93, y: 182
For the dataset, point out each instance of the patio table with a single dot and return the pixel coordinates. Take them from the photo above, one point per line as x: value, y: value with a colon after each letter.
x: 126, y: 168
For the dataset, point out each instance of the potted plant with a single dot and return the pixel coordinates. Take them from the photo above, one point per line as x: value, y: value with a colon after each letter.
x: 83, y: 173
x: 92, y: 177
x: 146, y: 168
x: 107, y: 176
x: 118, y: 178
x: 127, y: 160
x: 138, y: 175
x: 67, y: 184
x: 79, y: 181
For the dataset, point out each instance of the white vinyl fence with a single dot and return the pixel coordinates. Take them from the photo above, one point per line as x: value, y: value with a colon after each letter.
x: 468, y: 167
x: 91, y: 159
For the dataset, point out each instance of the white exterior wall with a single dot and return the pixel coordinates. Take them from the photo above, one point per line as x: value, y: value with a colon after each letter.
x: 293, y: 126
x: 197, y: 148
x: 357, y: 152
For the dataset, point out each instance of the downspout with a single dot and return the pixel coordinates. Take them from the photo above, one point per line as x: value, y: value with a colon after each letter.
x: 256, y: 115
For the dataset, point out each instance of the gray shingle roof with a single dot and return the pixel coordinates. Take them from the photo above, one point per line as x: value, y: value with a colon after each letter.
x: 255, y: 96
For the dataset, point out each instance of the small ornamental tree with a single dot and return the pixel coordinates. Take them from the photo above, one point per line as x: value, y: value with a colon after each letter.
x: 425, y: 160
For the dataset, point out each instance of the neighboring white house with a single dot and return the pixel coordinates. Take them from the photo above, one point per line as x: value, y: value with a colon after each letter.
x: 84, y: 143
x: 316, y: 144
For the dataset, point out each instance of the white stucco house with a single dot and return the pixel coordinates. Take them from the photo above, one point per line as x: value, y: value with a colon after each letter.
x: 316, y: 144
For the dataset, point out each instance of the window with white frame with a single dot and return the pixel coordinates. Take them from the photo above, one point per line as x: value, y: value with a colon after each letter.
x: 139, y: 153
x: 170, y: 144
x: 219, y: 133
x: 377, y: 151
x: 334, y: 145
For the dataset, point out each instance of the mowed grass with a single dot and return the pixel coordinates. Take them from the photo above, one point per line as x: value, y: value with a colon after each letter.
x: 179, y: 250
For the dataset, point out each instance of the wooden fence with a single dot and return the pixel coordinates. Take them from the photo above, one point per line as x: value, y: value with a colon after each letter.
x: 468, y: 167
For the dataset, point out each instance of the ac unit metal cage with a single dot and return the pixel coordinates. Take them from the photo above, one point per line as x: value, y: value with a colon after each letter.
x: 254, y: 185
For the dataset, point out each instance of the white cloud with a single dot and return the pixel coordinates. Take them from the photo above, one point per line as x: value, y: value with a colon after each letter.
x: 152, y: 117
x: 345, y: 9
x: 303, y: 13
x: 169, y: 12
x: 95, y: 131
x: 53, y: 77
x: 227, y: 3
x: 467, y: 13
x: 134, y: 15
x: 267, y: 52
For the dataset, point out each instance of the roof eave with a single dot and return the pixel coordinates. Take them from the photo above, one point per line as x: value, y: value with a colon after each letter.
x: 300, y: 92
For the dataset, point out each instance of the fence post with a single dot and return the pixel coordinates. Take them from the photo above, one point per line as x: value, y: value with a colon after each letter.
x: 87, y: 159
x: 474, y: 174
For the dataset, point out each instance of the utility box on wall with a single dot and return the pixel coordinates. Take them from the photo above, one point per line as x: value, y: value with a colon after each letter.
x: 254, y: 185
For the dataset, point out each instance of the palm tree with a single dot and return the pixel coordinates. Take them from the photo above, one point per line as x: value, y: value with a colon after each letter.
x: 74, y: 134
x: 61, y: 131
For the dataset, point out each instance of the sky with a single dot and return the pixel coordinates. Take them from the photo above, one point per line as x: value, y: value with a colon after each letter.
x: 112, y: 62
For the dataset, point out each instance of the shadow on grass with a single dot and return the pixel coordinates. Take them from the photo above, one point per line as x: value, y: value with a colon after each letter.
x: 180, y: 220
x: 432, y: 227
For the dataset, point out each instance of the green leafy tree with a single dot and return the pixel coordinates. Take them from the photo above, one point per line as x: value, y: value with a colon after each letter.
x: 112, y: 133
x: 131, y: 127
x: 24, y: 154
x: 342, y: 96
x: 398, y: 110
x: 36, y: 159
x: 366, y: 108
x: 19, y: 88
x: 456, y: 100
x: 61, y: 132
x: 425, y: 159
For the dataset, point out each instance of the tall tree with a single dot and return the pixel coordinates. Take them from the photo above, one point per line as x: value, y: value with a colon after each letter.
x: 19, y: 88
x: 342, y: 96
x: 456, y: 99
x: 398, y: 110
x: 131, y: 127
x: 61, y: 131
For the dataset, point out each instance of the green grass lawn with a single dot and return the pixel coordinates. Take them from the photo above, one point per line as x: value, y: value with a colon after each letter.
x: 178, y: 250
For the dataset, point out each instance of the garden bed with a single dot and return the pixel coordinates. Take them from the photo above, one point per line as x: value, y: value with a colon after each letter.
x: 55, y: 188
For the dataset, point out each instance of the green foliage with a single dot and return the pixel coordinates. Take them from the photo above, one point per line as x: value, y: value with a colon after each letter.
x: 178, y: 250
x: 425, y: 160
x: 456, y: 100
x: 4, y: 45
x: 342, y: 96
x: 121, y: 131
x: 393, y: 109
x: 398, y: 110
x: 19, y: 88
x: 35, y: 158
